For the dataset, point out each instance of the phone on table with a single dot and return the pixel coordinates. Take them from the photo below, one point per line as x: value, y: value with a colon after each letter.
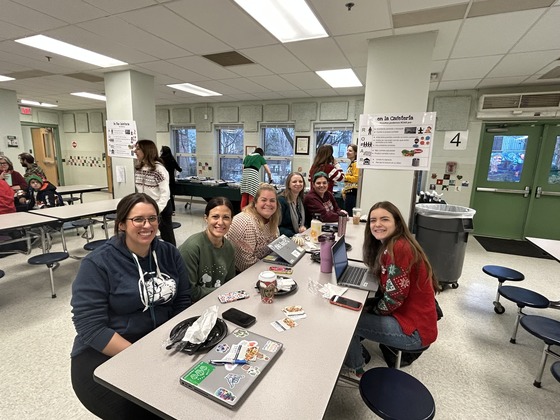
x: 346, y: 303
x: 233, y: 296
x: 239, y: 317
x: 286, y: 271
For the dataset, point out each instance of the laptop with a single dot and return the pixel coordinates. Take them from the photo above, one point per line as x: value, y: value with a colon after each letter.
x: 284, y: 252
x: 227, y: 384
x: 348, y: 275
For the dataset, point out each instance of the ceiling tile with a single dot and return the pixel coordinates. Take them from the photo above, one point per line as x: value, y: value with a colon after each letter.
x: 245, y: 85
x: 112, y: 6
x: 469, y: 68
x: 274, y: 82
x: 26, y: 17
x: 524, y: 64
x: 491, y: 7
x: 501, y: 81
x: 458, y: 84
x: 70, y: 11
x: 203, y: 66
x: 306, y: 80
x: 404, y: 6
x: 319, y: 54
x: 355, y: 46
x: 447, y: 34
x: 275, y: 58
x: 250, y: 70
x: 421, y: 17
x: 180, y: 74
x: 544, y: 35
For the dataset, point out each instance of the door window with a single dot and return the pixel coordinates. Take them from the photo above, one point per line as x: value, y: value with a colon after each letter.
x: 554, y: 176
x: 507, y: 158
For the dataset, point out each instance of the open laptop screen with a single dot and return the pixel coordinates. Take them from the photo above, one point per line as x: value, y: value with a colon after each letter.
x: 339, y: 257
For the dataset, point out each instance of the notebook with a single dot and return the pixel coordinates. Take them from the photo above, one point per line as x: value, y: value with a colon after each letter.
x: 228, y: 383
x: 348, y: 275
x: 284, y: 252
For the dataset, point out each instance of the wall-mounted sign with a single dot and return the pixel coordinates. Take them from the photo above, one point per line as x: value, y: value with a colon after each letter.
x: 25, y: 110
x: 455, y: 140
x: 74, y: 144
x: 12, y: 141
x: 121, y: 138
x: 396, y: 141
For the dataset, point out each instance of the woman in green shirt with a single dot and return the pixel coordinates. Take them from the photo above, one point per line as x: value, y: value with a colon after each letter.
x: 209, y: 257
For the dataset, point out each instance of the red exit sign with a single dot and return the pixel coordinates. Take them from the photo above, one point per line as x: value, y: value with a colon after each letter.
x: 25, y: 110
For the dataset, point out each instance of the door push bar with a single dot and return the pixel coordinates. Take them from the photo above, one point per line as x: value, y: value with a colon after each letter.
x: 539, y: 192
x: 525, y: 192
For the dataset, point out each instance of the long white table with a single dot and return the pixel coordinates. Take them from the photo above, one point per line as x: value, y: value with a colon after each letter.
x: 552, y: 248
x: 79, y: 189
x: 299, y: 383
x: 24, y: 220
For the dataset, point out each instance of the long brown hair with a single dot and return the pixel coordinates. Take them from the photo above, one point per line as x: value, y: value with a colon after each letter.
x: 150, y: 151
x: 373, y: 248
x: 286, y: 192
x: 324, y: 155
x: 251, y: 209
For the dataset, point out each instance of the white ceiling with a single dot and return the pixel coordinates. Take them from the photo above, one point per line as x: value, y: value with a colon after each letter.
x: 480, y: 44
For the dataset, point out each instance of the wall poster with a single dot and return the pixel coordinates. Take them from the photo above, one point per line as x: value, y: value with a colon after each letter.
x: 121, y: 138
x: 396, y: 141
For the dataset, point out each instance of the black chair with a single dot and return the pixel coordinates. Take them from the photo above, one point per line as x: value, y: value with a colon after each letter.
x: 522, y: 297
x: 502, y: 274
x: 547, y: 330
x: 50, y: 259
x: 394, y: 394
x: 555, y: 370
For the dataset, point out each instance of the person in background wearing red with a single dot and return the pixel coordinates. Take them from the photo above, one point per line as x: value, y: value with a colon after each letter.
x: 6, y: 198
x: 13, y: 178
x: 325, y: 162
x: 320, y: 202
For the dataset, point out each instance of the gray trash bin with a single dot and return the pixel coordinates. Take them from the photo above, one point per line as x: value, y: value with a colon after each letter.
x: 443, y: 230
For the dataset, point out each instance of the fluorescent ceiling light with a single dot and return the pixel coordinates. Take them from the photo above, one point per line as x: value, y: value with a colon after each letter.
x: 90, y: 96
x: 35, y: 103
x: 197, y: 90
x: 5, y: 78
x: 287, y: 20
x: 340, y: 78
x: 45, y: 43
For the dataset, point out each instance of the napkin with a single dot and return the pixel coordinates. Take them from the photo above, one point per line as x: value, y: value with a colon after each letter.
x: 285, y: 284
x: 329, y: 290
x: 200, y: 329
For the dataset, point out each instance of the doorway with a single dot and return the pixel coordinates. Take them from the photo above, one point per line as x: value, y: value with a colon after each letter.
x: 517, y: 181
x: 44, y: 151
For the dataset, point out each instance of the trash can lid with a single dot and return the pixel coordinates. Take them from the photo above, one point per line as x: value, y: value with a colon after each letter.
x: 445, y: 211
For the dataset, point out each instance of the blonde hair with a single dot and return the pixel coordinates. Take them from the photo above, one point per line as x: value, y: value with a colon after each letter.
x: 274, y: 220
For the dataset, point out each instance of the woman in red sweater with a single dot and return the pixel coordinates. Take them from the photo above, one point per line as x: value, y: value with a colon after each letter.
x: 403, y: 312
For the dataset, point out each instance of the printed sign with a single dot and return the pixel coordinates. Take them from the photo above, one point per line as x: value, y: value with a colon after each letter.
x: 455, y: 140
x: 121, y: 138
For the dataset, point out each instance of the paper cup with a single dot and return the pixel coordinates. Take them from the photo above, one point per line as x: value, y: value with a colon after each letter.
x: 356, y: 214
x: 267, y: 286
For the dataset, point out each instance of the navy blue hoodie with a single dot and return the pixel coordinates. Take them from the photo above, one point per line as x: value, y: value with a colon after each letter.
x: 108, y: 295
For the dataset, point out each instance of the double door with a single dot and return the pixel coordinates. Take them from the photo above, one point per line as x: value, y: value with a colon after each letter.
x: 517, y: 181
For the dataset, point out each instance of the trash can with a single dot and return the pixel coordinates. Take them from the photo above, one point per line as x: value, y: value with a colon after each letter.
x: 443, y: 230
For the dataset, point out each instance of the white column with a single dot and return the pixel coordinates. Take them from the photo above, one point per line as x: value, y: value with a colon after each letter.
x: 130, y: 96
x: 398, y: 80
x: 10, y: 126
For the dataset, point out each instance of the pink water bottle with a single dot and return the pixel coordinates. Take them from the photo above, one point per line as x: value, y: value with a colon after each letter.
x: 326, y: 240
x: 342, y: 220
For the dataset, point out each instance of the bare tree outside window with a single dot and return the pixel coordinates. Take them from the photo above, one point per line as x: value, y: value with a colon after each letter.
x: 230, y: 149
x: 338, y: 138
x: 278, y: 148
x: 184, y: 145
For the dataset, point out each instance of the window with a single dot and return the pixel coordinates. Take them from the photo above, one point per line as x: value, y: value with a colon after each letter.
x: 184, y: 145
x: 507, y: 158
x: 339, y: 136
x: 230, y: 151
x: 278, y: 141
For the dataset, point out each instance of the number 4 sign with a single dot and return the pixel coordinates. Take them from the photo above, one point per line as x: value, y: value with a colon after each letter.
x: 455, y: 140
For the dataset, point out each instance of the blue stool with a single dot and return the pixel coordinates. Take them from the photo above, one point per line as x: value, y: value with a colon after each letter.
x: 50, y: 259
x: 394, y: 394
x: 522, y: 297
x: 93, y: 245
x: 547, y: 330
x: 1, y: 273
x: 502, y: 274
x: 176, y: 225
x: 398, y: 354
x: 555, y: 370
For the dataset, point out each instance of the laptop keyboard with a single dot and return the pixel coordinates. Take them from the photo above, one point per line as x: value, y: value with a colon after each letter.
x: 353, y: 275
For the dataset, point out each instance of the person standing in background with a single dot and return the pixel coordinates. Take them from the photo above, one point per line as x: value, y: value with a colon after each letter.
x: 31, y: 168
x: 350, y: 190
x: 325, y: 162
x: 171, y: 165
x: 250, y: 179
x: 151, y: 177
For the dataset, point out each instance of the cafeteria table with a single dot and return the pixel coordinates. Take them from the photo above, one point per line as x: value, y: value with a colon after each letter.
x: 24, y: 220
x: 79, y: 189
x: 298, y: 384
x: 552, y: 248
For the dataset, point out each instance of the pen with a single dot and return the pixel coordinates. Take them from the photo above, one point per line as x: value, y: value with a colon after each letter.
x: 229, y: 362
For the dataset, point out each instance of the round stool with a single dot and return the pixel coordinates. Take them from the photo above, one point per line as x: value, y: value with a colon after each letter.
x: 86, y: 224
x: 176, y: 225
x: 1, y: 273
x: 50, y: 259
x: 71, y: 200
x: 555, y: 370
x: 393, y: 355
x: 522, y: 297
x: 93, y: 245
x: 547, y: 330
x: 394, y: 394
x: 502, y: 274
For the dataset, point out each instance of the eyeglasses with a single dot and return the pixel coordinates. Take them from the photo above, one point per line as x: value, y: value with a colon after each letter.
x: 3, y: 163
x: 140, y: 221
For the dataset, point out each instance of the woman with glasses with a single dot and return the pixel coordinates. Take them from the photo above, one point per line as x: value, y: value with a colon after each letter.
x: 123, y: 290
x: 255, y: 227
x: 152, y: 178
x: 208, y: 255
x: 291, y: 203
x: 13, y: 178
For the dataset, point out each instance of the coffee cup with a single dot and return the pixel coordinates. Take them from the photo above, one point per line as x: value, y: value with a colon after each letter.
x: 267, y: 286
x: 356, y: 214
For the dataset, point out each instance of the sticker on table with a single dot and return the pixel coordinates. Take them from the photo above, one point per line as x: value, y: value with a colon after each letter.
x: 199, y: 373
x: 233, y: 379
x: 225, y: 395
x: 252, y: 370
x: 222, y: 348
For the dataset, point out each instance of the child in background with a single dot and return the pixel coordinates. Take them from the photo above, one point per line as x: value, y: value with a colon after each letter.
x: 40, y: 194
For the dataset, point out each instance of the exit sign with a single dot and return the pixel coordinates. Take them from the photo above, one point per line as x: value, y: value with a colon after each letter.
x: 25, y: 110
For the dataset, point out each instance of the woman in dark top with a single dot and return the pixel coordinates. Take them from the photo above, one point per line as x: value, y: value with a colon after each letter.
x: 171, y: 165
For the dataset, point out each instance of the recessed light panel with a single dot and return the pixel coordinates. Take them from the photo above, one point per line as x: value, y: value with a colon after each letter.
x: 195, y: 90
x: 5, y: 78
x: 340, y: 78
x: 35, y: 103
x: 90, y: 96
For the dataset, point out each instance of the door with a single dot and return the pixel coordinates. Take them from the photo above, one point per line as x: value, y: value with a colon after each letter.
x: 44, y: 152
x: 513, y: 162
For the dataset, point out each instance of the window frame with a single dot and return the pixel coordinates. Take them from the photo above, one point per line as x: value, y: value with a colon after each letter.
x: 174, y: 129
x: 279, y: 173
x: 222, y: 156
x: 338, y: 155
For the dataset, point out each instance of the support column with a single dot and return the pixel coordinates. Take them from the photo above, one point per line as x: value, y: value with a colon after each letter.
x: 398, y: 80
x: 130, y: 96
